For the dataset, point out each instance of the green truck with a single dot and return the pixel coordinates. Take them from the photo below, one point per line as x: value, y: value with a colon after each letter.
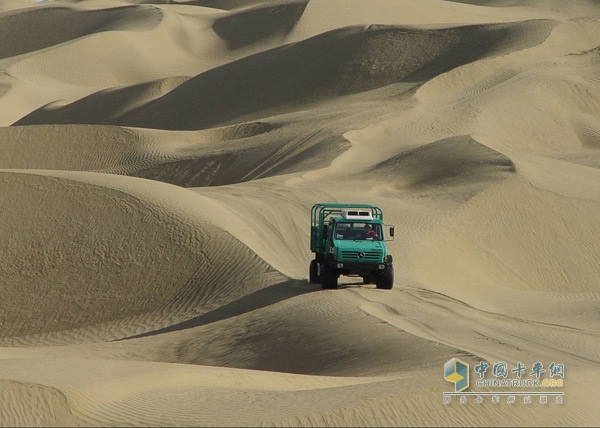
x: 348, y: 239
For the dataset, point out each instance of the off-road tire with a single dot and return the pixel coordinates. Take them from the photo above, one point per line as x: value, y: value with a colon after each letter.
x: 329, y: 278
x: 385, y: 281
x: 313, y: 272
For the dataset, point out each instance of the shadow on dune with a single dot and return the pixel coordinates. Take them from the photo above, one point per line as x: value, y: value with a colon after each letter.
x: 243, y: 28
x: 259, y: 299
x: 45, y: 26
x: 303, y: 330
x: 456, y: 161
x: 212, y: 157
x: 495, y: 3
x: 283, y: 154
x: 221, y: 4
x: 341, y: 62
x: 112, y: 103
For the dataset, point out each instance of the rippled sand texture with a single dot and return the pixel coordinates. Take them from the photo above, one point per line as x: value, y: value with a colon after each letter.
x: 158, y: 165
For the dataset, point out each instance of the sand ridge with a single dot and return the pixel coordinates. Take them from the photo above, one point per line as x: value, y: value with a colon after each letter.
x: 309, y: 71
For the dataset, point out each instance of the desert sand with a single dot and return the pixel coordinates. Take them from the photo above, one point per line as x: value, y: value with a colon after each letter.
x: 159, y: 160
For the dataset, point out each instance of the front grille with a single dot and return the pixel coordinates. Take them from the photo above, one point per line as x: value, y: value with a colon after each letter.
x: 369, y: 256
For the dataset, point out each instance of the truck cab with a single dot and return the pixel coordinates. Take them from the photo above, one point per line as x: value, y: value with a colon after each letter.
x: 350, y: 240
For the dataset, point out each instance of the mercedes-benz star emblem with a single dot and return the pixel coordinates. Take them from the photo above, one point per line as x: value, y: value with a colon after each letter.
x: 361, y: 255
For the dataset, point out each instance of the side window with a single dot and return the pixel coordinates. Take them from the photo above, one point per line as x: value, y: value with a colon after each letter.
x: 338, y: 232
x: 341, y: 231
x: 345, y: 231
x: 369, y: 231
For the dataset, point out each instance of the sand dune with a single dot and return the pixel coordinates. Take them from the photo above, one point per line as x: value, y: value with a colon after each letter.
x: 36, y: 29
x: 310, y: 71
x: 159, y: 162
x: 214, y: 156
x: 52, y: 256
x: 256, y: 23
x: 452, y: 161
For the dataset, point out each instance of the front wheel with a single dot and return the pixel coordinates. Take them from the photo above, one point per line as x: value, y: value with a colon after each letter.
x: 385, y: 281
x: 329, y: 278
x: 313, y: 274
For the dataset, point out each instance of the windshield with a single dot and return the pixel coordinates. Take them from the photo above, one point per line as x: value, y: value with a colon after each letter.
x: 358, y: 230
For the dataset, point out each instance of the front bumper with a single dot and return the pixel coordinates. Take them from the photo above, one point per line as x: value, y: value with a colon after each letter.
x: 354, y: 268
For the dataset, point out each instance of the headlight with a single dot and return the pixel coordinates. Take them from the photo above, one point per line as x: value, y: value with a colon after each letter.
x: 340, y: 265
x: 381, y: 266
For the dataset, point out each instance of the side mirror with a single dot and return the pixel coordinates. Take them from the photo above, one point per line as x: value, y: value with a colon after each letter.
x: 391, y: 230
x: 325, y: 231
